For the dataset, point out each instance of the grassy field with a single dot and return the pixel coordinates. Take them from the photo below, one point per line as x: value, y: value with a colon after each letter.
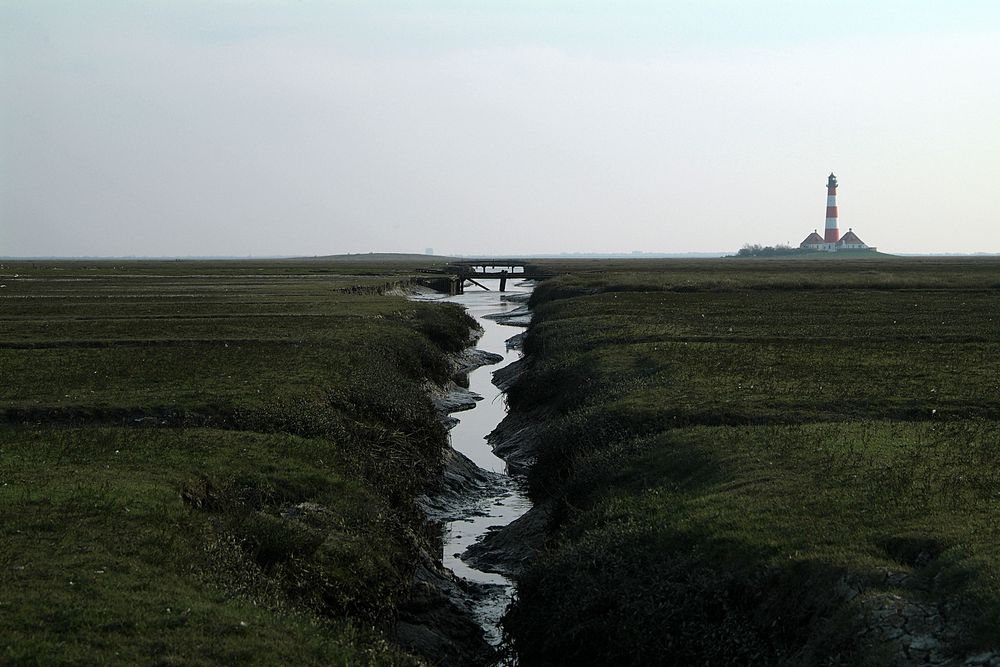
x: 775, y: 462
x: 212, y: 462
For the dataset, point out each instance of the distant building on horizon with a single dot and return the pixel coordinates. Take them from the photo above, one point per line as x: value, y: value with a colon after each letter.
x: 832, y: 241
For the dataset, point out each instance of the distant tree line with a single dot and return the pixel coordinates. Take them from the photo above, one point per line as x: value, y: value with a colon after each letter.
x: 757, y: 250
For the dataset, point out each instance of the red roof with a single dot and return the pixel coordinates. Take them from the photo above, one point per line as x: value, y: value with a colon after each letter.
x: 850, y: 238
x: 812, y: 239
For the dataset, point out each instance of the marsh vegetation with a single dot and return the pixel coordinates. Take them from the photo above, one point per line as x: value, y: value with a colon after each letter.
x: 776, y: 462
x: 742, y: 461
x: 213, y: 462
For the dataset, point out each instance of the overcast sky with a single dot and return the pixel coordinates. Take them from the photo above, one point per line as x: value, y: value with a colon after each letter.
x: 278, y: 127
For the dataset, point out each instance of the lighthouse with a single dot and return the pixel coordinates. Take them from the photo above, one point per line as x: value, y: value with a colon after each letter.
x: 832, y: 241
x: 832, y: 233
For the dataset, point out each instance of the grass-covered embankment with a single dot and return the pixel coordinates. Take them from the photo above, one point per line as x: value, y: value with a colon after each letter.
x: 212, y: 462
x: 765, y: 462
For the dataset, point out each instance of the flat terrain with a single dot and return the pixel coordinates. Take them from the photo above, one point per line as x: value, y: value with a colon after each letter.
x: 763, y: 461
x: 212, y: 462
x: 747, y: 461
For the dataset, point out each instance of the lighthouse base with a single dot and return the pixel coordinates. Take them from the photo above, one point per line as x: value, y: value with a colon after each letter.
x: 838, y: 247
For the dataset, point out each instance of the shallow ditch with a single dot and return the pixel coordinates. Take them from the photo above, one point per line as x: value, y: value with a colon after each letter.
x: 477, y: 495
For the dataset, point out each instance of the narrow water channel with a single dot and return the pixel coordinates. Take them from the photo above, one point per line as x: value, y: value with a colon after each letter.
x: 469, y: 437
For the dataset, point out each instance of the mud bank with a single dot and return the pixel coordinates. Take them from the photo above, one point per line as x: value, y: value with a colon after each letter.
x: 455, y: 395
x: 509, y: 549
x: 438, y: 620
x: 515, y: 440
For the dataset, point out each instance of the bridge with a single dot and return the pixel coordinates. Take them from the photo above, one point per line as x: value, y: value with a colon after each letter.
x: 469, y: 272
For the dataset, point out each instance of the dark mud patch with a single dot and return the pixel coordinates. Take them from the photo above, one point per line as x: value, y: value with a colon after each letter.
x: 436, y: 621
x: 516, y: 439
x: 461, y: 485
x: 505, y: 377
x: 519, y: 317
x: 509, y: 549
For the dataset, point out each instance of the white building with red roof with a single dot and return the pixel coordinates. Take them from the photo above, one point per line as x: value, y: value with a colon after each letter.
x: 848, y: 241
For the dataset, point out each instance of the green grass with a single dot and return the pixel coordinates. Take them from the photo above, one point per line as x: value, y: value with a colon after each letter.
x: 730, y: 449
x: 212, y: 343
x: 590, y: 276
x: 213, y: 462
x: 116, y: 553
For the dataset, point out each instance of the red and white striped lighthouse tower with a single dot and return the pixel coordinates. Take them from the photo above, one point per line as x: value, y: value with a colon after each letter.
x: 832, y: 233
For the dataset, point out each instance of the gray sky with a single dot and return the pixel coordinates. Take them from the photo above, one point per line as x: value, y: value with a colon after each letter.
x: 196, y: 127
